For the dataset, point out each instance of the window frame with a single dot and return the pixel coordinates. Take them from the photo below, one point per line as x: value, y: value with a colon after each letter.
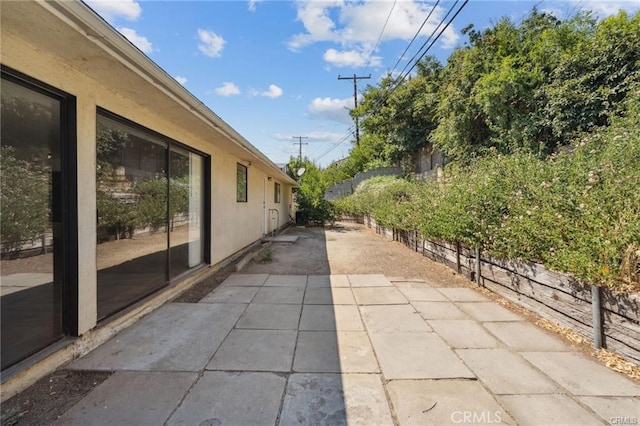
x: 169, y: 143
x: 277, y: 193
x: 241, y: 168
x: 66, y: 259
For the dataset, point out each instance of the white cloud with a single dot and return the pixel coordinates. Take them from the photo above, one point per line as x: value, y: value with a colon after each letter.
x: 139, y: 41
x: 211, y: 43
x: 181, y: 80
x: 227, y: 89
x: 610, y: 7
x: 331, y: 109
x: 273, y: 92
x: 112, y: 9
x: 355, y: 26
x: 252, y: 4
x: 349, y: 58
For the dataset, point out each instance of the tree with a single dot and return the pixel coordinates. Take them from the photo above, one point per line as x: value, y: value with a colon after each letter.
x: 310, y: 196
x: 594, y: 73
x: 398, y: 116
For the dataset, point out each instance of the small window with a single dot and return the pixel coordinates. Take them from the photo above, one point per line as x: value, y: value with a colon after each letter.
x: 241, y: 191
x: 276, y: 194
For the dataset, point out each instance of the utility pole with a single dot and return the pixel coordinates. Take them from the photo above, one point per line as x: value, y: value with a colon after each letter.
x: 300, y: 143
x: 355, y: 79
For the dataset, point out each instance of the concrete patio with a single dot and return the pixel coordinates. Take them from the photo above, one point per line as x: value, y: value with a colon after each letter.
x: 346, y: 349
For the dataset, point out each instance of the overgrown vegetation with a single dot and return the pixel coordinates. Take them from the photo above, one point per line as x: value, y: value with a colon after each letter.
x: 576, y: 211
x: 533, y: 86
x: 312, y: 207
x: 540, y: 123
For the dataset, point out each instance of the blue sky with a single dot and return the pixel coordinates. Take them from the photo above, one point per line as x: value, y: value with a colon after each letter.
x: 270, y: 68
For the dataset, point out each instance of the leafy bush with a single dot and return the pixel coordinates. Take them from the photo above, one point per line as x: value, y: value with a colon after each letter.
x: 577, y: 211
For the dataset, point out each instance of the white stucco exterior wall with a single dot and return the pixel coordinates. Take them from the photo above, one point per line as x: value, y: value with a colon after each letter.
x: 233, y: 225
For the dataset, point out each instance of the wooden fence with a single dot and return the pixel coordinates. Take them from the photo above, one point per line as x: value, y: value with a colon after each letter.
x: 612, y: 320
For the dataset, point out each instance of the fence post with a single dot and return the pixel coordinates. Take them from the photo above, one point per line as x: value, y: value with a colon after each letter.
x: 478, y: 267
x: 597, y: 316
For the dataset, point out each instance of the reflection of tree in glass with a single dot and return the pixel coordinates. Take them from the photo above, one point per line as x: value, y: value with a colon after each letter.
x: 109, y: 143
x: 29, y: 129
x: 116, y: 212
x: 24, y: 199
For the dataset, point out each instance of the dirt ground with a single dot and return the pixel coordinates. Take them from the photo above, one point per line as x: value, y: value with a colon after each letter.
x: 346, y: 248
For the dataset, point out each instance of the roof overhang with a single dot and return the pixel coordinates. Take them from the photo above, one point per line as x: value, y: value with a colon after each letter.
x: 86, y: 42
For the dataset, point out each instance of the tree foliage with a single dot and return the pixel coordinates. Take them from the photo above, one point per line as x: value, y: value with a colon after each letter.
x: 312, y: 206
x: 530, y: 86
x: 576, y: 211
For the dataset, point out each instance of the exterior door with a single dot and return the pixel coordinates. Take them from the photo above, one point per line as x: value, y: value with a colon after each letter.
x: 37, y: 258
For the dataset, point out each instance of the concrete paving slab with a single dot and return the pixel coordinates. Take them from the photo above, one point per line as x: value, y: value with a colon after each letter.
x: 256, y: 350
x: 613, y: 409
x: 299, y: 281
x: 417, y: 356
x: 262, y: 316
x: 333, y: 399
x: 245, y: 280
x: 314, y: 281
x: 439, y: 310
x: 422, y: 294
x: 488, y: 311
x: 444, y: 402
x: 282, y: 239
x: 125, y: 399
x: 547, y: 410
x: 334, y: 352
x: 231, y: 295
x: 222, y: 398
x: 504, y: 372
x: 418, y: 283
x: 463, y: 334
x: 175, y: 337
x: 462, y: 294
x: 328, y: 317
x: 379, y: 296
x: 581, y: 375
x: 404, y: 280
x: 393, y: 318
x: 524, y: 336
x: 279, y: 295
x: 369, y: 280
x: 329, y: 296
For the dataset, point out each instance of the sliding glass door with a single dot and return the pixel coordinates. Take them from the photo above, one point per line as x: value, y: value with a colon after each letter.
x: 186, y: 201
x: 34, y: 227
x: 151, y: 212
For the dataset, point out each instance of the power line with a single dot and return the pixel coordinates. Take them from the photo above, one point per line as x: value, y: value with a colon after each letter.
x: 381, y: 33
x: 335, y: 144
x: 415, y: 36
x: 399, y: 81
x: 389, y: 91
x: 355, y: 79
x: 300, y: 143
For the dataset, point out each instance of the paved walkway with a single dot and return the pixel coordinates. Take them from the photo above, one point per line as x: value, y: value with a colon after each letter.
x: 346, y: 349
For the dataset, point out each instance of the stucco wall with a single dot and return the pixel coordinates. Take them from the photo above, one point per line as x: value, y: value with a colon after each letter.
x: 234, y: 225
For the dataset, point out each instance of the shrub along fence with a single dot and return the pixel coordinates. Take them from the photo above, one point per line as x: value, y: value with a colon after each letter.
x: 611, y: 320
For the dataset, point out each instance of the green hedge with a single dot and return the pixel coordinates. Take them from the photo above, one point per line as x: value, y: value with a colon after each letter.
x: 577, y: 211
